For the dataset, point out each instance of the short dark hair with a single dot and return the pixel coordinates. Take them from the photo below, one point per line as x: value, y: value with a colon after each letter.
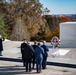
x: 35, y: 42
x: 38, y: 44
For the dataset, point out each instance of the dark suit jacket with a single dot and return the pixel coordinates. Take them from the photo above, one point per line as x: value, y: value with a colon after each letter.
x: 45, y: 50
x: 27, y: 51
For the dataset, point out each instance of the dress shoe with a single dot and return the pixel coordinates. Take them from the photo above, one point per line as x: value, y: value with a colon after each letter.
x: 38, y: 71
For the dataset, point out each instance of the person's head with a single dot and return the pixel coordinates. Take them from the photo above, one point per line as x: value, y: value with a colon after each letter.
x: 44, y: 42
x: 38, y: 44
x: 35, y: 42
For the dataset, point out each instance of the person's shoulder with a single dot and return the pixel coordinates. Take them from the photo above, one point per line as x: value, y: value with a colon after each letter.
x: 32, y: 45
x: 43, y: 46
x: 23, y: 43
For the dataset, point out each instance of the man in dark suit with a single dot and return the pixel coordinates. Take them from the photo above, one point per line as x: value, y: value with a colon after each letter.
x: 23, y: 48
x: 27, y: 55
x: 39, y: 51
x: 34, y: 46
x: 45, y: 55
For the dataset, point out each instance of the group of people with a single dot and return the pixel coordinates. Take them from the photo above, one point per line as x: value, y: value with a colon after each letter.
x: 35, y: 53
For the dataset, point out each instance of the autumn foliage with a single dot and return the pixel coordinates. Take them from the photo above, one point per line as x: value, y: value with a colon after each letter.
x: 27, y: 20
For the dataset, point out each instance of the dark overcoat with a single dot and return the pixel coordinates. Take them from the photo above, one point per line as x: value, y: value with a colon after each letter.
x: 27, y: 51
x: 1, y: 45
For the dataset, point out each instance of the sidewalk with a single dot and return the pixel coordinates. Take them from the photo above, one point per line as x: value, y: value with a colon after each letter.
x: 15, y: 68
x: 57, y: 63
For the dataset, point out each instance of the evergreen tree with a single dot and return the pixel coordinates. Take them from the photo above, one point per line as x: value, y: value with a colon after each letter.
x: 2, y: 26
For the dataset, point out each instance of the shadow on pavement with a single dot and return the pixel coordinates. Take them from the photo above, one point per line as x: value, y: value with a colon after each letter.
x: 13, y: 70
x: 48, y: 63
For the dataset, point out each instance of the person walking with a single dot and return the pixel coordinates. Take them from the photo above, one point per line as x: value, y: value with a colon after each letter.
x: 45, y: 55
x: 39, y: 51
